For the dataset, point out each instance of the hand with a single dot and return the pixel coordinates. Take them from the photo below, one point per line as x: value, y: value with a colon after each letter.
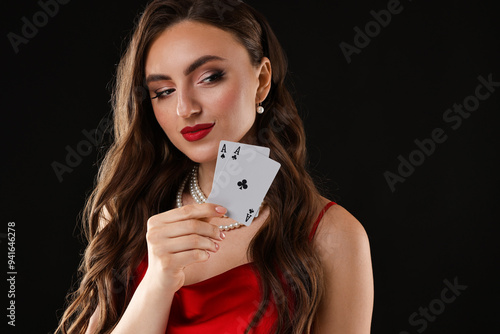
x: 178, y: 238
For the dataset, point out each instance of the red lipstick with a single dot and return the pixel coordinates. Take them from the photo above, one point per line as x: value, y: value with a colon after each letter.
x: 197, y: 132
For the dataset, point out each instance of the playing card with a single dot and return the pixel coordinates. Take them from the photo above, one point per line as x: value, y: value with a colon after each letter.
x: 243, y: 183
x: 230, y: 153
x: 233, y: 151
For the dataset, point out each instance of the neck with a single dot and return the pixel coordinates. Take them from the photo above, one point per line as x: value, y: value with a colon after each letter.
x: 206, y: 176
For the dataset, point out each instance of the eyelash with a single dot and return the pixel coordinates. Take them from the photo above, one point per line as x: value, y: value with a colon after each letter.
x: 161, y: 95
x: 217, y: 76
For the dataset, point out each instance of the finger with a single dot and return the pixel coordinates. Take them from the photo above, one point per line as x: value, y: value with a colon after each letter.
x: 190, y: 242
x: 193, y: 211
x: 186, y: 258
x: 184, y: 228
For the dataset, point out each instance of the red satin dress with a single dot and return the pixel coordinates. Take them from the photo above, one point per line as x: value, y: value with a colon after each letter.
x: 222, y: 304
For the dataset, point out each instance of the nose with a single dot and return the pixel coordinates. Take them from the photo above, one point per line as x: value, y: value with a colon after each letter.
x: 186, y: 104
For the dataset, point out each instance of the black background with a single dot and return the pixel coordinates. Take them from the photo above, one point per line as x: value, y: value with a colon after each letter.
x: 440, y: 224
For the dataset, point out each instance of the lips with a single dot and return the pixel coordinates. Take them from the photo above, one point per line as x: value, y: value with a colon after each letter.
x: 197, y: 132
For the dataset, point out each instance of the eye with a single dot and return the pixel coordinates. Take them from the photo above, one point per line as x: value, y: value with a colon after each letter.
x: 163, y: 94
x: 214, y: 77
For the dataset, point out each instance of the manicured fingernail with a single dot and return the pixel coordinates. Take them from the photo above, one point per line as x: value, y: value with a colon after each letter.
x: 216, y: 246
x: 220, y: 209
x: 222, y: 235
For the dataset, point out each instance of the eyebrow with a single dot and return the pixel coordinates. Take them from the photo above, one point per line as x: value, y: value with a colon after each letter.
x: 194, y: 65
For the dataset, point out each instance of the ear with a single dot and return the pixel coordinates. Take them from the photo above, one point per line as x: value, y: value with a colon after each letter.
x: 265, y: 78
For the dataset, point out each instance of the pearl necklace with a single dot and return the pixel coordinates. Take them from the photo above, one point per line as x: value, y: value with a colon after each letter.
x: 198, y: 196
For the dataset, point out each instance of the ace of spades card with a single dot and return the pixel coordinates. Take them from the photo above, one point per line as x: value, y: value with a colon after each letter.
x: 233, y: 151
x: 241, y: 183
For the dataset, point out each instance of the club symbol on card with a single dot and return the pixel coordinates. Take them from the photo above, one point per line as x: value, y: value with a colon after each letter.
x: 242, y: 184
x: 249, y: 215
x: 236, y: 153
x: 222, y: 155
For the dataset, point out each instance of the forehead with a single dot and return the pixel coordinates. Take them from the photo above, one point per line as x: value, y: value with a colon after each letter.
x: 187, y: 41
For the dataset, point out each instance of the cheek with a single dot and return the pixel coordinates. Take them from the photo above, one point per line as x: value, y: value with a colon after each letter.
x: 234, y: 103
x: 165, y: 119
x: 161, y: 117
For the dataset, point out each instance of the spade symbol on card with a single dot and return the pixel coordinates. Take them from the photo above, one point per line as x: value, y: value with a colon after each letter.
x: 249, y: 215
x: 223, y: 150
x: 243, y: 184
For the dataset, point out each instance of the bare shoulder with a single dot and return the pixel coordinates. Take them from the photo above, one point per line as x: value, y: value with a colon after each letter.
x: 343, y: 247
x: 339, y: 227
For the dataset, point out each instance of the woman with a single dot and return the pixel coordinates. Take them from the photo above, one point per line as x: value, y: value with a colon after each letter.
x: 197, y: 72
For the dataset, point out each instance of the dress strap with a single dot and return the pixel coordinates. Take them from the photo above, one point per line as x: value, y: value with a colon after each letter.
x: 316, y: 223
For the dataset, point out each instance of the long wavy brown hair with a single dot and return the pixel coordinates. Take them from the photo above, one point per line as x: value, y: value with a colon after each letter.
x: 142, y: 170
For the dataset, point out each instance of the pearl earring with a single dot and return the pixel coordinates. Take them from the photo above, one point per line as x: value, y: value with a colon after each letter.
x: 260, y: 109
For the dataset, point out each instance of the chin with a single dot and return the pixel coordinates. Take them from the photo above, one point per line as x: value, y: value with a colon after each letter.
x: 202, y: 155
